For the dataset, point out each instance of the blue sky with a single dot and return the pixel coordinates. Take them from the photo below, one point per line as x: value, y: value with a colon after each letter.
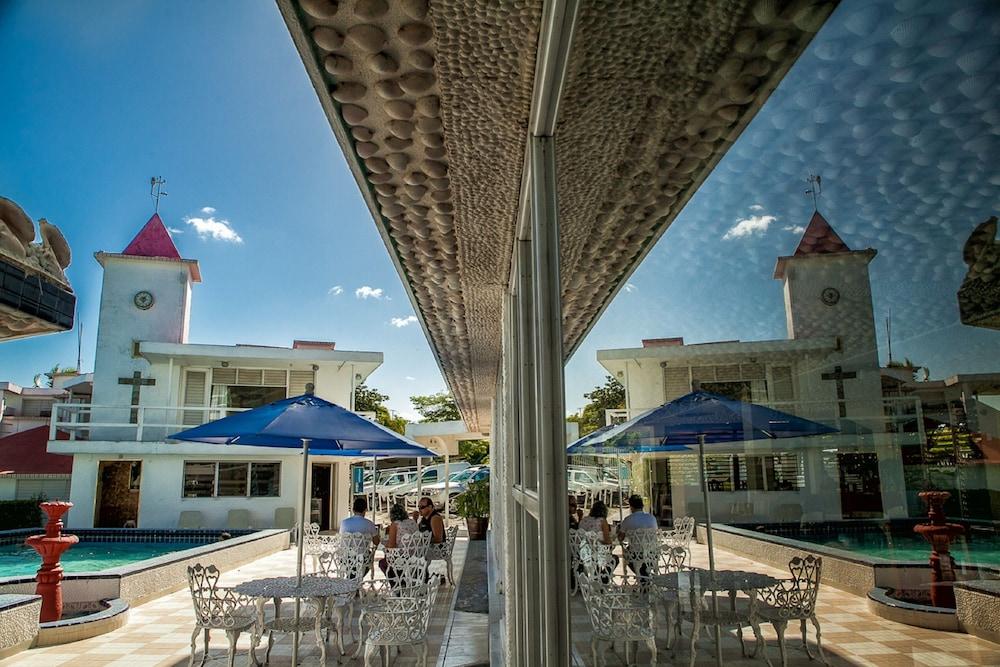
x: 895, y: 104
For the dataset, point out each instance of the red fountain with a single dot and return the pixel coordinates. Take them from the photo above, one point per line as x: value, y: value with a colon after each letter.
x: 940, y: 534
x: 50, y: 547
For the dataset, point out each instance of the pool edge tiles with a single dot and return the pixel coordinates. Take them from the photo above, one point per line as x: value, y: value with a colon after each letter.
x: 147, y: 579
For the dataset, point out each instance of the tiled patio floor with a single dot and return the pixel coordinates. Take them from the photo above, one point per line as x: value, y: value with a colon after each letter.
x: 159, y: 632
x: 851, y: 635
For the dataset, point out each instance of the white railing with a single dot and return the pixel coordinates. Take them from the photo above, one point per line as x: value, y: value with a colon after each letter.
x: 894, y: 415
x: 142, y: 423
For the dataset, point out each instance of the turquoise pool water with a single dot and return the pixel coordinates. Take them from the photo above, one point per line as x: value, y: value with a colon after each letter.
x: 18, y: 560
x: 982, y: 549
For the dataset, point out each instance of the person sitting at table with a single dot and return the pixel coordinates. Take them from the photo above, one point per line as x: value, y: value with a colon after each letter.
x: 636, y: 520
x: 429, y: 520
x: 575, y: 514
x: 401, y: 526
x: 358, y: 523
x: 597, y: 522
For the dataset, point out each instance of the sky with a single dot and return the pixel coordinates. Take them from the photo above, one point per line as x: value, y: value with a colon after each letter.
x: 894, y: 104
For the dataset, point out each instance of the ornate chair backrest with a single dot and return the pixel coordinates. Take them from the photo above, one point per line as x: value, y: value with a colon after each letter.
x: 672, y: 559
x: 403, y: 617
x: 616, y: 610
x: 642, y: 547
x: 684, y: 527
x: 416, y: 541
x: 593, y: 554
x: 410, y: 571
x: 214, y: 605
x: 443, y: 550
x: 796, y: 597
x: 343, y: 564
x: 575, y: 540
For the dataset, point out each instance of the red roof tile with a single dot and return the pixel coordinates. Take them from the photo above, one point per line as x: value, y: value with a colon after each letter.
x: 819, y: 238
x: 153, y: 240
x: 25, y: 453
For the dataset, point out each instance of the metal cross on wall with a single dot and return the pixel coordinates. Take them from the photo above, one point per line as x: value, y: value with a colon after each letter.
x: 839, y: 375
x: 136, y: 381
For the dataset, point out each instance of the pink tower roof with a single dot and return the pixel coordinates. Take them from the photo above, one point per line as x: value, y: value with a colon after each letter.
x: 153, y: 240
x: 819, y: 238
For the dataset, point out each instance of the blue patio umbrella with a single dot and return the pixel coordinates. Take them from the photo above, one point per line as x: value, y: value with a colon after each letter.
x: 699, y: 418
x: 304, y: 422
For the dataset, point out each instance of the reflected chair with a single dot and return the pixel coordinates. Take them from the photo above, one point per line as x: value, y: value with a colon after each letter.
x: 619, y: 611
x: 641, y: 553
x: 794, y: 599
x: 672, y: 559
x: 218, y: 608
x: 349, y: 565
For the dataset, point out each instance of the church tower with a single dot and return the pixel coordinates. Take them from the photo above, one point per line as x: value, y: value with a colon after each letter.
x: 828, y: 293
x: 145, y: 296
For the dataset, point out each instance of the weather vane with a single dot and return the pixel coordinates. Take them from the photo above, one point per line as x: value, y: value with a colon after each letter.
x: 815, y: 189
x: 156, y: 191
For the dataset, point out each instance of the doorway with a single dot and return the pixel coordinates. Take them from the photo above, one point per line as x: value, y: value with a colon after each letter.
x: 117, y: 494
x: 320, y: 505
x: 860, y: 486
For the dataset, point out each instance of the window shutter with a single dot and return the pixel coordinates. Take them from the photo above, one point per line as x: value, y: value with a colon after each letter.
x: 274, y: 378
x: 703, y: 373
x: 297, y: 381
x: 194, y: 395
x: 781, y: 381
x: 729, y: 373
x: 223, y: 376
x: 35, y: 407
x: 676, y: 382
x: 249, y: 376
x: 753, y: 371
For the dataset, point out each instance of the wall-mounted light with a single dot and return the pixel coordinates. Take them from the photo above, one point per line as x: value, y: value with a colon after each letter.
x: 225, y: 364
x: 357, y: 376
x: 315, y: 367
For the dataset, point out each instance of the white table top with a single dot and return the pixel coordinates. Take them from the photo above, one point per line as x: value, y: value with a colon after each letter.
x: 724, y: 580
x: 285, y: 587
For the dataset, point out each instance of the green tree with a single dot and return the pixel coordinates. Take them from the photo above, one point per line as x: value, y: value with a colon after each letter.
x: 56, y: 370
x: 610, y: 396
x: 367, y: 399
x: 439, y: 407
x: 476, y: 452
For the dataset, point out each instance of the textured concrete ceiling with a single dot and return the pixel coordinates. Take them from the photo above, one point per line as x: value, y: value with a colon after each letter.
x: 430, y: 102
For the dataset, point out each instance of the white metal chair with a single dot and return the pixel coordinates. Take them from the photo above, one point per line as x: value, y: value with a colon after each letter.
x: 681, y: 535
x: 619, y: 612
x: 794, y: 599
x: 672, y: 559
x: 344, y: 564
x: 443, y: 551
x: 409, y: 572
x: 400, y: 619
x: 218, y: 608
x: 575, y: 540
x: 641, y: 553
x: 315, y: 544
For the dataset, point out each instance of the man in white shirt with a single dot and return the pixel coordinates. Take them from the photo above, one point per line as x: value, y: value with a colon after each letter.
x: 637, y: 520
x: 358, y: 523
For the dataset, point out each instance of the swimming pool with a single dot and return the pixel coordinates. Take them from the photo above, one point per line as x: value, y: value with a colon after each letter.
x: 19, y: 560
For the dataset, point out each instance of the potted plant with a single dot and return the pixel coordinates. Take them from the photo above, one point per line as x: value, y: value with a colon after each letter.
x: 474, y: 505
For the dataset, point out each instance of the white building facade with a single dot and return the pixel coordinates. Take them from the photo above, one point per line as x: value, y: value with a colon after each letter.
x: 150, y: 382
x: 827, y: 370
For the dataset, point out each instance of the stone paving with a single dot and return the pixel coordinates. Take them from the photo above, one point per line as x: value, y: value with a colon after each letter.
x: 158, y: 633
x: 851, y: 635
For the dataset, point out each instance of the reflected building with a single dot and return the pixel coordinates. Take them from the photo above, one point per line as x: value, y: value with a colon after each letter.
x: 827, y: 370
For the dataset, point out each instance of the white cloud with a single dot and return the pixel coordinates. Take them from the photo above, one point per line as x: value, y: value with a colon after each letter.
x: 794, y: 229
x: 400, y: 322
x: 210, y: 227
x: 366, y: 292
x: 336, y: 290
x: 174, y: 230
x: 629, y: 287
x: 755, y: 224
x: 756, y: 207
x: 410, y: 378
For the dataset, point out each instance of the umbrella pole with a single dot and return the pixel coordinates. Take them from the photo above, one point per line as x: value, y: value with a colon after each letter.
x: 711, y: 550
x: 303, y: 505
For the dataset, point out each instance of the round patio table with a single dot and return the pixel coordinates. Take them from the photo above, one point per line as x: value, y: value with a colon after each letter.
x: 313, y: 587
x: 699, y: 581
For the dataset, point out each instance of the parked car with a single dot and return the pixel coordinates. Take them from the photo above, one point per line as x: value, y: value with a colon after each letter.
x: 430, y: 475
x: 391, y: 482
x: 457, y: 483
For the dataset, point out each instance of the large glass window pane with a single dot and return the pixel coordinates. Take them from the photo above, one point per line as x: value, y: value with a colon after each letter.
x: 199, y: 479
x: 264, y: 479
x: 232, y: 479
